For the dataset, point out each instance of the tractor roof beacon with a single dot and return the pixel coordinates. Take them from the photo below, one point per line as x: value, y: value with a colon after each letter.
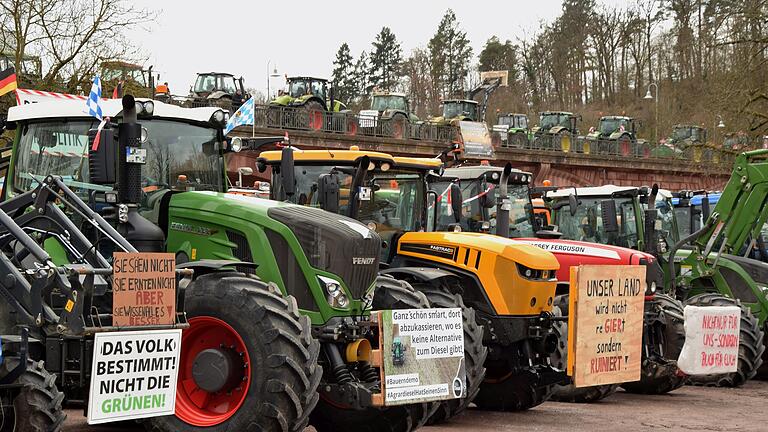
x: 481, y: 192
x: 391, y: 195
x: 258, y: 270
x: 703, y: 275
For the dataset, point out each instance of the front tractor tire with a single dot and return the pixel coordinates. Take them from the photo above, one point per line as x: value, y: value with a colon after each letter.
x: 559, y: 359
x: 660, y: 377
x: 35, y: 406
x: 330, y: 416
x: 248, y: 360
x: 751, y: 344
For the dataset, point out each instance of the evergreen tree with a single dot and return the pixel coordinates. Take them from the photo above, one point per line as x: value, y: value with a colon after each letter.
x: 343, y: 74
x: 386, y: 58
x: 360, y: 74
x: 450, y: 54
x: 497, y: 56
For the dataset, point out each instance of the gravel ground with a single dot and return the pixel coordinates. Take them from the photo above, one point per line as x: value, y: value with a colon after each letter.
x: 687, y: 409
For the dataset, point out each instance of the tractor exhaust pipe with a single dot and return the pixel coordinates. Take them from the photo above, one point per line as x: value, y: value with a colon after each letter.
x: 502, y: 207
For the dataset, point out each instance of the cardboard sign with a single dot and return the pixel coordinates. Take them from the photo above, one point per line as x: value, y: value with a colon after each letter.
x: 133, y: 375
x: 477, y: 140
x: 711, y: 340
x: 605, y: 334
x: 423, y: 355
x: 144, y: 289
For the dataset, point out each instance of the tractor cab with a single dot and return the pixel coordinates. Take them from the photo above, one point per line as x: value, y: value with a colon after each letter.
x: 383, y: 102
x: 215, y: 86
x: 460, y: 110
x: 552, y: 122
x: 30, y: 67
x: 610, y: 125
x: 687, y: 134
x: 299, y: 87
x: 479, y: 187
x: 135, y: 79
x: 512, y: 121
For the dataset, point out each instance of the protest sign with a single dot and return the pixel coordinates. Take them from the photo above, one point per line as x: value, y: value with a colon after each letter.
x: 711, y: 340
x: 423, y: 355
x: 133, y: 375
x: 144, y: 289
x: 477, y: 140
x: 605, y: 324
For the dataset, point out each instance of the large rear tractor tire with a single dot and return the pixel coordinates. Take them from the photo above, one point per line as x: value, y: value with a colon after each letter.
x: 315, y: 117
x: 656, y: 377
x: 390, y: 293
x: 398, y: 126
x: 751, y: 345
x: 474, y: 352
x: 559, y: 359
x: 262, y: 350
x: 36, y: 405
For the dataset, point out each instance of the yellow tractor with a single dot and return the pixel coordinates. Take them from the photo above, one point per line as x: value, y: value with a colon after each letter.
x: 507, y: 287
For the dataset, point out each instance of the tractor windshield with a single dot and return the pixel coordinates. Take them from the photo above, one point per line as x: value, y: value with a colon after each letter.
x: 479, y: 205
x: 506, y: 120
x: 227, y: 84
x: 611, y: 125
x: 456, y: 109
x: 389, y: 102
x: 548, y: 121
x: 173, y: 149
x: 587, y: 223
x: 666, y: 218
x: 681, y: 133
x: 205, y: 83
x: 521, y: 122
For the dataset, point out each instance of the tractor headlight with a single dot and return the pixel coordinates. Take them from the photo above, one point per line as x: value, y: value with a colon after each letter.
x: 139, y: 108
x: 226, y: 117
x: 149, y: 107
x: 236, y: 144
x: 218, y: 116
x: 653, y: 287
x: 531, y: 273
x: 334, y: 293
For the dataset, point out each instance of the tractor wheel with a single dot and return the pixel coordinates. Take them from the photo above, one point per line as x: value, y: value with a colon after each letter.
x: 331, y: 417
x: 762, y: 372
x: 518, y: 140
x: 270, y: 372
x: 35, y: 406
x: 751, y: 345
x: 625, y: 145
x: 399, y: 123
x: 315, y: 116
x: 559, y: 359
x: 657, y: 377
x: 506, y: 390
x: 474, y: 351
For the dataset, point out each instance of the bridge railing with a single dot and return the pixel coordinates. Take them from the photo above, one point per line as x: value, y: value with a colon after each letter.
x: 640, y: 149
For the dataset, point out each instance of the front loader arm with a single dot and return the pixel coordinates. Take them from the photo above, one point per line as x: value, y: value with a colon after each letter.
x: 741, y: 210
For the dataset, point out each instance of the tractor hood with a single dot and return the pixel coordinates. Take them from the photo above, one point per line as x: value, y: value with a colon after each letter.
x: 281, y: 100
x: 447, y: 245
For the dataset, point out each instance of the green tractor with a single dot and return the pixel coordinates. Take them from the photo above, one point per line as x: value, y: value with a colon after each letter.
x: 557, y: 130
x: 704, y: 274
x: 279, y: 311
x: 134, y: 78
x: 313, y: 96
x: 513, y: 129
x: 390, y: 115
x: 615, y: 135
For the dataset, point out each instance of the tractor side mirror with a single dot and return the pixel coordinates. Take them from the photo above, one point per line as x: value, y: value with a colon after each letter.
x: 608, y: 214
x: 328, y: 192
x: 287, y: 174
x: 102, y: 155
x: 705, y: 210
x: 573, y: 204
x: 456, y: 201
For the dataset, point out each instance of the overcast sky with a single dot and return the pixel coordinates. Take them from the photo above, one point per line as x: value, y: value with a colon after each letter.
x: 301, y: 37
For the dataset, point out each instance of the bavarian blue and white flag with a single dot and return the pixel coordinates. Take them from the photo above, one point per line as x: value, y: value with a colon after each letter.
x: 243, y: 116
x: 93, y: 103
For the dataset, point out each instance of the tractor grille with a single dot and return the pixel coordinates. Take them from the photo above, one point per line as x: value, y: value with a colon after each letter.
x: 334, y: 243
x: 294, y: 279
x: 242, y: 251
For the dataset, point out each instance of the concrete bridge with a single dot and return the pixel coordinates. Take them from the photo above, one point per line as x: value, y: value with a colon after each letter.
x: 695, y: 170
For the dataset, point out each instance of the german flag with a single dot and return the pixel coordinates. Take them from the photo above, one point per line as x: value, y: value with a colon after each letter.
x: 7, y: 81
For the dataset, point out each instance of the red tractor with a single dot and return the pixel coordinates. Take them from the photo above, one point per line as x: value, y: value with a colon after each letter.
x: 484, y: 187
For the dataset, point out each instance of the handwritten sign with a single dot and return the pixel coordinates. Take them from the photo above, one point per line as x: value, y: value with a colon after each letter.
x: 711, y: 340
x: 144, y: 289
x: 133, y: 375
x: 605, y: 324
x: 423, y: 355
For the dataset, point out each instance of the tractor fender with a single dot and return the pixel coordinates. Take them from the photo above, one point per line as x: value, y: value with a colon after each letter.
x: 218, y: 95
x: 421, y: 274
x: 557, y: 129
x: 302, y: 102
x: 388, y: 114
x: 618, y: 135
